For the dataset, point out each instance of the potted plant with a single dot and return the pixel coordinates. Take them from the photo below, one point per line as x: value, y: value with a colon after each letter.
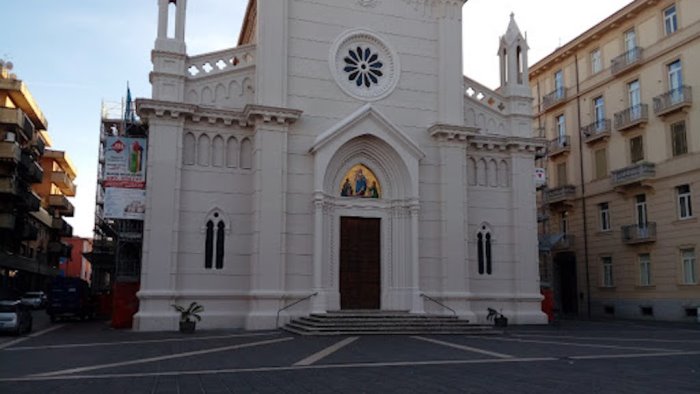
x: 188, y: 316
x: 498, y: 319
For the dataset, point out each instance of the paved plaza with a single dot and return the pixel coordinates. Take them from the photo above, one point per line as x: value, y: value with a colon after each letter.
x: 576, y: 357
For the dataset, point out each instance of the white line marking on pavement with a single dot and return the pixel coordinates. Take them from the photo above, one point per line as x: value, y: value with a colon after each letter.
x: 161, y: 358
x: 645, y: 349
x: 326, y: 352
x: 33, y: 378
x: 636, y: 355
x: 608, y: 338
x: 95, y: 344
x: 463, y: 347
x: 36, y: 334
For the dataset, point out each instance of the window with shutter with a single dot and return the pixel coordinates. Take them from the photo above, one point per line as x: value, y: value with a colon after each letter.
x: 601, y: 164
x: 561, y: 174
x: 678, y: 138
x: 636, y: 149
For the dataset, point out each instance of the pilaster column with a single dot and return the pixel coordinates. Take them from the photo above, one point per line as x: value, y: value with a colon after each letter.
x: 318, y: 303
x: 268, y: 263
x: 416, y: 301
x: 451, y: 87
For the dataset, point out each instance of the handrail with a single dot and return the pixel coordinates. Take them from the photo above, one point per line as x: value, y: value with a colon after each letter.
x: 438, y: 302
x: 277, y: 322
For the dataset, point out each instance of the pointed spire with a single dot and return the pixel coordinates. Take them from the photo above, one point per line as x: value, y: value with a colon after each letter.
x: 129, y: 115
x: 513, y: 31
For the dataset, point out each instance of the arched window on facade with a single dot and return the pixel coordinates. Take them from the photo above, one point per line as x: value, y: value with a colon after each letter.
x: 483, y: 238
x: 209, y: 245
x: 214, y: 243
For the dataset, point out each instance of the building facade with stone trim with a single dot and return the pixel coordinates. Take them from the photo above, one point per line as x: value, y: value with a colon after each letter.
x: 337, y: 153
x: 621, y: 201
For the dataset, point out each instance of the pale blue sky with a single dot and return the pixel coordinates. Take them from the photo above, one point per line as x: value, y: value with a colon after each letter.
x: 73, y: 54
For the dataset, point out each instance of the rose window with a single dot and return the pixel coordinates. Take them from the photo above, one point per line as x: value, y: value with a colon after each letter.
x: 363, y: 67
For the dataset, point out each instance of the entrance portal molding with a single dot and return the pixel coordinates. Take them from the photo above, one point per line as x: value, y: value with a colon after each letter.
x: 369, y: 138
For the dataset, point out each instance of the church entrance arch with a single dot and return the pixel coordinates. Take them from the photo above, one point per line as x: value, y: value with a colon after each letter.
x: 366, y: 216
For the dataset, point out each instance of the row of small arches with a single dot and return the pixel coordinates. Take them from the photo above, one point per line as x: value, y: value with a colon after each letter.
x: 488, y: 172
x: 236, y: 95
x: 471, y: 118
x: 217, y: 153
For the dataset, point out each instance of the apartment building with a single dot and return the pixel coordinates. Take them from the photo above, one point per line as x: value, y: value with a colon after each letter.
x: 34, y: 185
x: 619, y: 230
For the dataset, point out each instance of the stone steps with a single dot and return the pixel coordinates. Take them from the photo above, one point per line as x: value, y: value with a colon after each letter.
x: 384, y: 323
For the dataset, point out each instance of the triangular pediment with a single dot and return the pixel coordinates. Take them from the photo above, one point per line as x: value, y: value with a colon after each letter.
x: 367, y: 120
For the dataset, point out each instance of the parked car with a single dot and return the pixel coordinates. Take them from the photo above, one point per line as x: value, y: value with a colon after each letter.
x: 15, y: 317
x: 34, y: 299
x: 70, y: 297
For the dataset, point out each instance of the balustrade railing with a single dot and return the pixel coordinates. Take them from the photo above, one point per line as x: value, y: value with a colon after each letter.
x: 598, y: 129
x: 626, y: 60
x: 633, y: 173
x: 220, y: 61
x: 673, y: 100
x: 552, y: 99
x: 632, y: 116
x: 639, y: 233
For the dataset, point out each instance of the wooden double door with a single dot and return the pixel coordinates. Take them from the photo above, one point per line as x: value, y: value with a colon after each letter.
x: 360, y: 262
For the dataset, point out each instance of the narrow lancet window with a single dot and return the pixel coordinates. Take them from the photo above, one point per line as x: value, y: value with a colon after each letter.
x: 209, y: 245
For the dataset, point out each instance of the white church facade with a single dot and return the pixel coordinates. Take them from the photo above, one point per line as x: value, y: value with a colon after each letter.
x: 337, y: 155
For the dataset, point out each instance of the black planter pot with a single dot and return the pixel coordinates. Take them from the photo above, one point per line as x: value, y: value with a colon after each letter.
x: 187, y: 327
x: 501, y: 321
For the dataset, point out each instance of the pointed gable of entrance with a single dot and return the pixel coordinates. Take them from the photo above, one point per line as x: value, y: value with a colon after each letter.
x: 368, y: 137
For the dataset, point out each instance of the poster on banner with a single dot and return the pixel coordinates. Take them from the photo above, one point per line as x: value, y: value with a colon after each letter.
x: 125, y: 204
x: 125, y: 163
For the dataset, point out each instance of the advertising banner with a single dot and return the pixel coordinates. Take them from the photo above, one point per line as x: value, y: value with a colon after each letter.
x: 125, y: 163
x: 125, y: 203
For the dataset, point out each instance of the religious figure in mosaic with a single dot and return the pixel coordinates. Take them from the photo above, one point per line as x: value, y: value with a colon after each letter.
x: 347, y: 188
x: 359, y: 181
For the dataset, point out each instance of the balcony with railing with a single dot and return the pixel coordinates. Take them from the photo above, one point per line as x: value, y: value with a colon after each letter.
x: 17, y: 121
x: 10, y: 152
x: 674, y: 100
x: 553, y: 99
x: 559, y: 145
x: 632, y: 174
x: 61, y: 204
x: 639, y: 233
x: 64, y: 229
x: 627, y: 60
x: 30, y: 169
x: 596, y: 131
x: 63, y: 182
x: 565, y: 243
x: 560, y: 194
x: 637, y: 115
x: 59, y: 249
x: 8, y: 185
x: 29, y: 200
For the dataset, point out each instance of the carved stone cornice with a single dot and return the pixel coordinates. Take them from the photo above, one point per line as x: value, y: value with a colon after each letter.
x: 253, y: 113
x: 445, y: 132
x: 197, y: 114
x: 470, y: 136
x: 507, y: 144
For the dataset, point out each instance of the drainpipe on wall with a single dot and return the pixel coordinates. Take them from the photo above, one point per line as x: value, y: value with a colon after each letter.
x: 583, y: 191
